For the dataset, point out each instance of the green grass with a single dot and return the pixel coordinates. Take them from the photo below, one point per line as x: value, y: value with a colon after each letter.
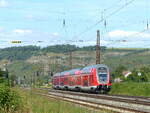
x: 132, y: 89
x: 40, y: 104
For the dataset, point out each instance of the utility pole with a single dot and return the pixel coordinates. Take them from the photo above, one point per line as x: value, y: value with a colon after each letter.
x: 98, y: 48
x: 70, y: 59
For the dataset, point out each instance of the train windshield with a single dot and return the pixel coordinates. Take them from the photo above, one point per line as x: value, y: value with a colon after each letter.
x: 102, y: 78
x: 102, y: 75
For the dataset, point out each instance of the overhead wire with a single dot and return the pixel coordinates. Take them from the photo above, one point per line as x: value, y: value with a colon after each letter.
x: 108, y: 16
x: 142, y: 31
x: 112, y: 6
x: 146, y: 13
x: 73, y: 41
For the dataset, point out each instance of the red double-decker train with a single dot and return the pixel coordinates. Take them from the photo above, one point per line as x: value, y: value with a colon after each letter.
x: 95, y: 78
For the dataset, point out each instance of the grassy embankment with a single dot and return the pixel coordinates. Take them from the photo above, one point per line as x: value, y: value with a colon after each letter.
x: 132, y: 89
x: 33, y: 103
x: 38, y: 104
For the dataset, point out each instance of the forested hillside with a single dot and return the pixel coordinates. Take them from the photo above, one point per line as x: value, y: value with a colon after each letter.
x: 19, y: 53
x: 31, y: 63
x: 25, y: 52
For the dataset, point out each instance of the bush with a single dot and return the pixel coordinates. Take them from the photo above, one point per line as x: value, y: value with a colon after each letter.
x: 131, y: 88
x: 10, y: 101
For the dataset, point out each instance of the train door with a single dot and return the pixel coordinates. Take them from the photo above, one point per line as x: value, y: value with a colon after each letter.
x: 71, y: 80
x: 61, y: 80
x: 78, y: 80
x: 66, y: 80
x: 85, y: 80
x: 93, y: 78
x: 57, y: 80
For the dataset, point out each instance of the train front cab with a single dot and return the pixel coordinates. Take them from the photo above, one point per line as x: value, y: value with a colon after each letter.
x: 103, y: 77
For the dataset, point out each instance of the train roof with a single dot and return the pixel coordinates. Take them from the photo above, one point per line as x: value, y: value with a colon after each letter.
x: 86, y: 69
x: 72, y: 71
x: 96, y: 66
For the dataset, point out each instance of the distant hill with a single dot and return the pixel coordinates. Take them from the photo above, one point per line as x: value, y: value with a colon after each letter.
x: 28, y: 62
x: 19, y: 53
x: 25, y: 52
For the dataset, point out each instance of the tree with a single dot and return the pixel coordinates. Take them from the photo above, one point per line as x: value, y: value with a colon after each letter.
x: 13, y: 80
x: 119, y: 70
x: 139, y: 75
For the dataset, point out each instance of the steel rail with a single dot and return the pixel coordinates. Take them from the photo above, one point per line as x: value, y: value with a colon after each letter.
x: 90, y: 104
x: 127, y: 103
x: 132, y: 99
x: 108, y: 102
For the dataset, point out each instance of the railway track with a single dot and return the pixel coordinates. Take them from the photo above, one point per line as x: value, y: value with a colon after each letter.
x: 111, y: 102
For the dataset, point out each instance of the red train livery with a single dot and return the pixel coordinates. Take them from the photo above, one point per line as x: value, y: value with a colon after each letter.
x: 95, y: 78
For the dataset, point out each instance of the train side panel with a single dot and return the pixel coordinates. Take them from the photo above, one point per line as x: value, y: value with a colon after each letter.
x: 90, y: 78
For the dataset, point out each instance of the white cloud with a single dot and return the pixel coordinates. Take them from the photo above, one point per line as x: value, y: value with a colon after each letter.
x: 32, y: 37
x: 1, y: 29
x: 55, y: 35
x: 4, y: 3
x: 22, y: 31
x: 30, y: 16
x: 120, y: 33
x: 122, y: 38
x: 34, y: 17
x: 127, y: 34
x: 82, y: 43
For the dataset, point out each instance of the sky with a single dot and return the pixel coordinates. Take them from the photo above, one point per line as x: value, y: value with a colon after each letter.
x: 122, y: 23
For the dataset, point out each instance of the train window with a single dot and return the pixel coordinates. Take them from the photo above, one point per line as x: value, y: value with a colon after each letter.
x: 57, y: 74
x: 102, y: 75
x: 102, y: 69
x: 86, y: 70
x: 102, y: 78
x: 72, y: 72
x: 64, y: 73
